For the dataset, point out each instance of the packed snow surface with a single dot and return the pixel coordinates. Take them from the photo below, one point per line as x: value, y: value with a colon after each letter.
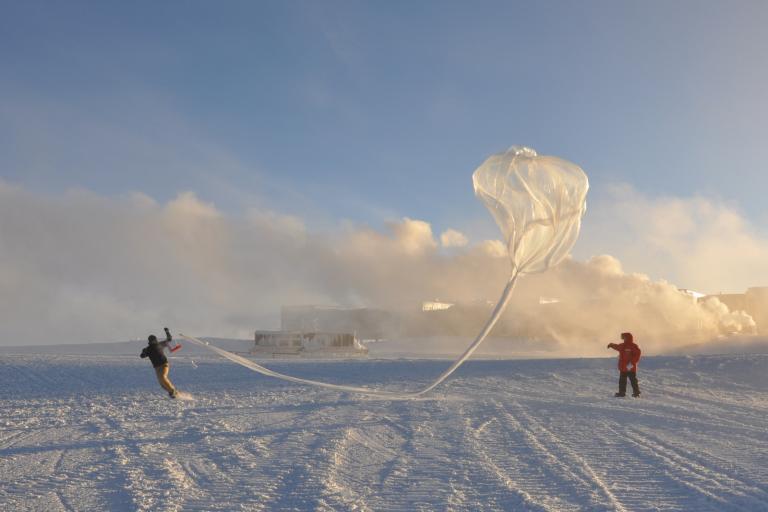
x: 88, y: 432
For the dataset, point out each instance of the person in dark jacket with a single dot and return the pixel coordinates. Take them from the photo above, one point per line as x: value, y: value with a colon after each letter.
x: 155, y: 351
x: 629, y: 356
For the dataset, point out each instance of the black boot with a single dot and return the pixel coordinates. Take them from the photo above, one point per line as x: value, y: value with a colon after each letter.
x: 620, y: 394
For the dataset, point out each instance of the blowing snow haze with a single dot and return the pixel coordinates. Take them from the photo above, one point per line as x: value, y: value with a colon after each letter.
x: 81, y: 267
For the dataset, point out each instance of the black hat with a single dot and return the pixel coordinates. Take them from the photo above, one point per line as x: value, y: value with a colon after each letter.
x: 152, y: 339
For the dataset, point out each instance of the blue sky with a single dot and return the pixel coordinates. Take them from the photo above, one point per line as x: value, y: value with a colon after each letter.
x: 166, y: 162
x: 370, y: 111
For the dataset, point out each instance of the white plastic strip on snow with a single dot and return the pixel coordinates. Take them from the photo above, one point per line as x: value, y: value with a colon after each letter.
x: 395, y: 395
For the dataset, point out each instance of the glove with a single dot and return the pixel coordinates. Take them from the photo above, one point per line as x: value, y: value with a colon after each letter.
x: 609, y: 345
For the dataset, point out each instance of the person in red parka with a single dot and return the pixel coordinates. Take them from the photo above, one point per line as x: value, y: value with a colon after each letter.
x: 629, y: 356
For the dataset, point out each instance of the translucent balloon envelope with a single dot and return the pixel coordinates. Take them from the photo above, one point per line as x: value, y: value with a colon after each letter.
x: 537, y: 201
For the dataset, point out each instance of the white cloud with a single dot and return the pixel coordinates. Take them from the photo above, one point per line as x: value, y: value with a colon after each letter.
x: 494, y: 248
x: 453, y: 238
x: 697, y: 242
x: 598, y: 300
x: 82, y: 267
x: 287, y: 225
x: 414, y: 236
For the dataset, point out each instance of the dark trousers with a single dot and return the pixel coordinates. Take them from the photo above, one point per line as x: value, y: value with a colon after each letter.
x: 632, y: 379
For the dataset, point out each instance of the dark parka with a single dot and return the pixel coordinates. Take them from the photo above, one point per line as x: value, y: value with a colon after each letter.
x: 156, y: 351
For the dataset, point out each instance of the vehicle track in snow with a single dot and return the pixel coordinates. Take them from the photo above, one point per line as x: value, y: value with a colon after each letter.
x: 725, y: 486
x: 29, y: 484
x: 429, y: 450
x: 524, y: 482
x: 650, y: 408
x: 588, y: 485
x: 97, y: 434
x: 593, y: 430
x: 316, y: 478
x: 643, y: 475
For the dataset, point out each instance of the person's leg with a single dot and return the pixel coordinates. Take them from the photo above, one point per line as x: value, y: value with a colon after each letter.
x: 171, y: 388
x: 159, y: 372
x: 622, y: 384
x: 162, y: 378
x: 635, y: 385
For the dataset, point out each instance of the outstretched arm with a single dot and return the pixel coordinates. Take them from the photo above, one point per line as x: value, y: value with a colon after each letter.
x: 614, y: 346
x: 167, y: 339
x: 143, y: 353
x: 167, y: 343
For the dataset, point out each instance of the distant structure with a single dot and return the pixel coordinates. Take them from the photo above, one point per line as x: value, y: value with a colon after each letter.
x: 312, y: 344
x: 321, y: 331
x: 364, y: 323
x: 456, y: 318
x: 443, y: 318
x: 436, y: 305
x: 734, y: 301
x: 754, y: 302
x: 757, y: 307
x: 695, y: 296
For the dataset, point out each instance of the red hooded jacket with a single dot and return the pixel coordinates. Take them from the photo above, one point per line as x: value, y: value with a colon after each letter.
x: 629, y: 352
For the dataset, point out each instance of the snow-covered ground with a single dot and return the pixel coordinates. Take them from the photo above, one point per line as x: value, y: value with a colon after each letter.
x: 89, y: 432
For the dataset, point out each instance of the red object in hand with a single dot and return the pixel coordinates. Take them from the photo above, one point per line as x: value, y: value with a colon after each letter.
x: 177, y: 347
